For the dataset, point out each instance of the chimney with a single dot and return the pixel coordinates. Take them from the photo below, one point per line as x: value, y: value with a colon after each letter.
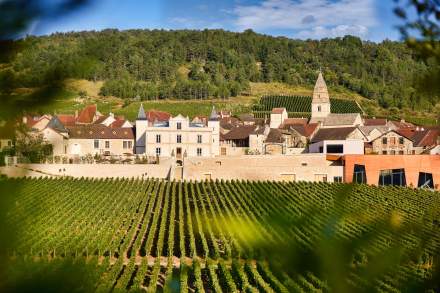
x: 402, y: 120
x: 76, y: 114
x: 24, y: 120
x: 111, y: 114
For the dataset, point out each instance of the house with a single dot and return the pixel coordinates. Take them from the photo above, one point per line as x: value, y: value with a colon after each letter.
x: 338, y: 140
x: 372, y: 132
x: 392, y: 143
x: 238, y: 136
x: 289, y: 139
x: 97, y: 139
x: 277, y: 117
x: 57, y: 135
x: 257, y: 138
x: 423, y: 139
x: 36, y: 122
x: 177, y: 137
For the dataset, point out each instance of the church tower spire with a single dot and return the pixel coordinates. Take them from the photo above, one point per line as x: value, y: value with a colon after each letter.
x: 320, y: 100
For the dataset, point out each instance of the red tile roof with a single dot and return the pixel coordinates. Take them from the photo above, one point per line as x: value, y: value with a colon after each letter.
x: 278, y: 110
x: 154, y: 115
x: 420, y: 138
x: 87, y: 114
x: 117, y: 124
x: 375, y: 122
x: 66, y: 119
x: 293, y: 121
x: 305, y: 130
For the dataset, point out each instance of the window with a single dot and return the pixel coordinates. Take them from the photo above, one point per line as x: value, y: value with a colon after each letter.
x: 392, y: 177
x: 400, y: 152
x: 319, y: 108
x: 127, y: 144
x: 392, y: 140
x: 392, y: 152
x: 384, y: 152
x: 199, y: 138
x: 425, y: 180
x: 321, y: 149
x: 320, y: 177
x: 9, y: 143
x: 179, y: 125
x: 335, y: 148
x: 107, y: 144
x: 401, y: 140
x: 199, y: 152
x: 337, y: 179
x: 384, y: 140
x: 359, y: 174
x: 96, y: 144
x: 158, y: 138
x: 158, y: 151
x: 179, y: 138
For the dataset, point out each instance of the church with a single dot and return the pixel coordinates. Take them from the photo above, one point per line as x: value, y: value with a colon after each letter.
x: 321, y: 109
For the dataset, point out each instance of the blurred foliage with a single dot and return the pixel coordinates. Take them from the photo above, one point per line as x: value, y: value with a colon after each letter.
x: 16, y: 16
x: 421, y: 31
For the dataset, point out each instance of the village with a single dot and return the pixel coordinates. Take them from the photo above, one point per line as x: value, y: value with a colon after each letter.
x: 329, y: 147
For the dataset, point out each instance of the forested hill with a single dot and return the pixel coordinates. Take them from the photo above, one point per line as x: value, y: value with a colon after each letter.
x: 215, y: 63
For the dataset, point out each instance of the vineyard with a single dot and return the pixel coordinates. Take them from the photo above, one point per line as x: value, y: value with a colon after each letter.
x: 225, y: 236
x: 300, y: 106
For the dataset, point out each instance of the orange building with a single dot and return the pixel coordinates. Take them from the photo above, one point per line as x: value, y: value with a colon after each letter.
x: 404, y: 170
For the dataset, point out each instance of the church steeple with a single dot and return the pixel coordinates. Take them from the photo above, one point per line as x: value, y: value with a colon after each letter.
x: 320, y: 100
x: 141, y: 113
x: 320, y: 93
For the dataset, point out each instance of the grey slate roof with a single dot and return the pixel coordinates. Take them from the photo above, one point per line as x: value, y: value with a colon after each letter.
x: 338, y: 133
x: 334, y: 119
x: 56, y: 125
x: 141, y: 113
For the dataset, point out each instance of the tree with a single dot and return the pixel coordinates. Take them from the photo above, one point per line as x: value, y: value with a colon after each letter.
x: 31, y: 145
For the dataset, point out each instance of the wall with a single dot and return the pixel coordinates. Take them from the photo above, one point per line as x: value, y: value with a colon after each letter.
x: 86, y: 146
x: 58, y: 142
x: 354, y: 146
x: 305, y: 167
x: 413, y: 164
x: 88, y: 170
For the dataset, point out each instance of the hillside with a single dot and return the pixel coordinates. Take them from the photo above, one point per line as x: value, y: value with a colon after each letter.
x: 222, y: 236
x: 215, y: 64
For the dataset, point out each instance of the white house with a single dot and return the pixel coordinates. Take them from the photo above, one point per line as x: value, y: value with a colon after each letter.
x: 339, y: 140
x: 178, y: 137
x: 277, y: 117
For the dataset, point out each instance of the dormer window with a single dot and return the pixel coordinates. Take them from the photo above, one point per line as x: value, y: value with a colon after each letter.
x: 179, y: 125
